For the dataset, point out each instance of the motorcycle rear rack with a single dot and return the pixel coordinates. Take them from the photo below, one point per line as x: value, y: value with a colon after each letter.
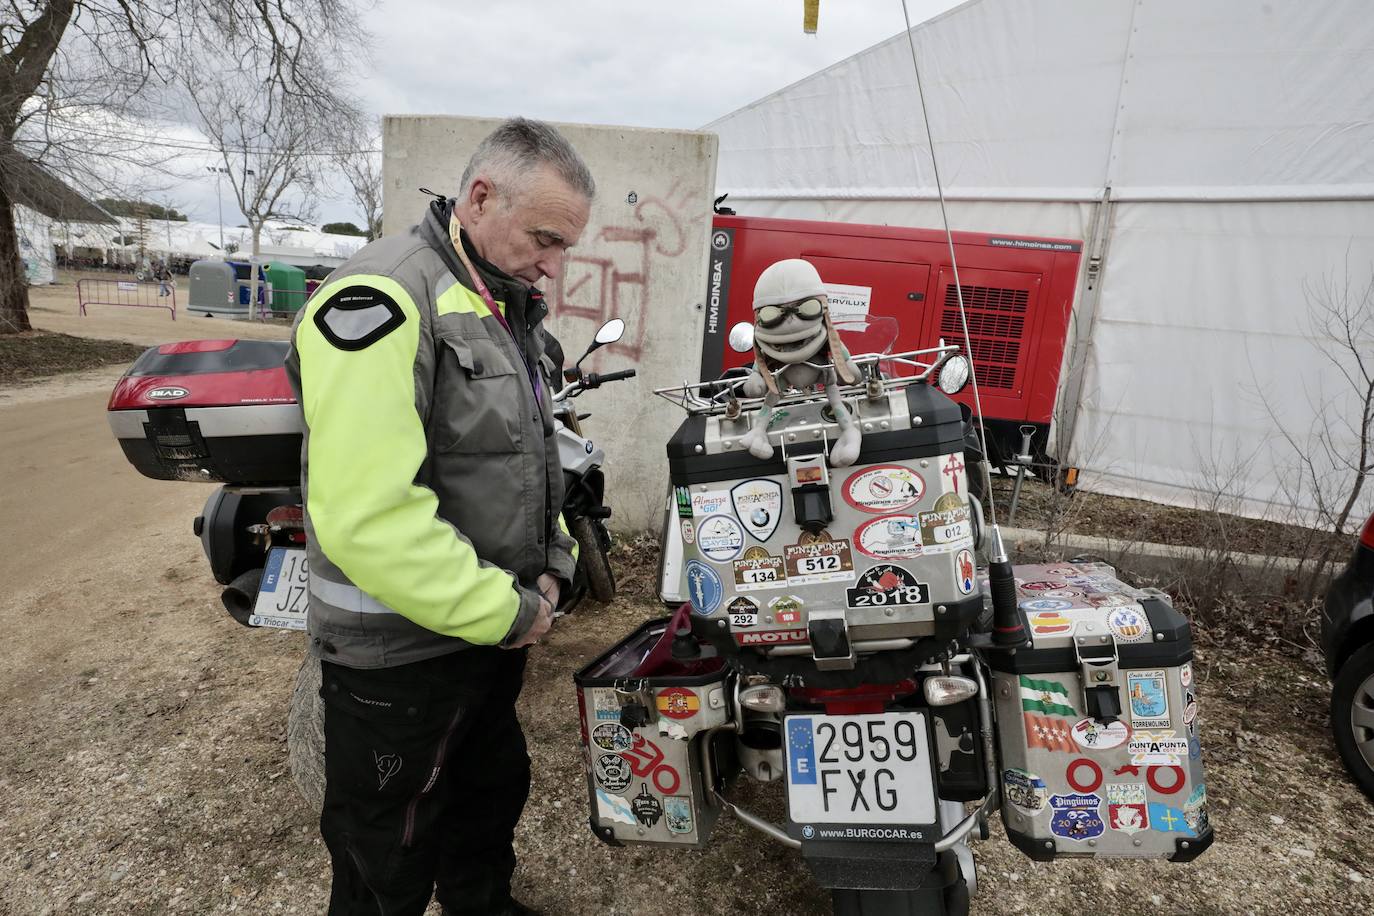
x: 722, y: 397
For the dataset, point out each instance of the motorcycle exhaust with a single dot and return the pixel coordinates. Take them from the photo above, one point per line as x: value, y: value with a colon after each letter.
x: 241, y: 594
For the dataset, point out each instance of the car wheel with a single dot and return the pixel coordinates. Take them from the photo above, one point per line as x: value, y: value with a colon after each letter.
x: 1352, y: 716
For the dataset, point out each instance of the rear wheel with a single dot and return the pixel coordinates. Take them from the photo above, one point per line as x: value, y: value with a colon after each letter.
x: 305, y: 733
x: 1352, y: 716
x: 593, y: 557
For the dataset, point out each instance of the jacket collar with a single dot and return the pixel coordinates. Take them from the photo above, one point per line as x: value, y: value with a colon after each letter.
x: 518, y: 298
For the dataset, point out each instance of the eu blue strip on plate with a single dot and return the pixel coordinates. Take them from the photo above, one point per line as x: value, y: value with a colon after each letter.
x: 801, y: 751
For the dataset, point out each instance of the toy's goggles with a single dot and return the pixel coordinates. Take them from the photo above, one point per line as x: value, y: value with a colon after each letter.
x: 770, y: 316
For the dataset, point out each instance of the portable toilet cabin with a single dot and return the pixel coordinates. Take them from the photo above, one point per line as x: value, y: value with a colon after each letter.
x: 214, y: 290
x: 288, y: 287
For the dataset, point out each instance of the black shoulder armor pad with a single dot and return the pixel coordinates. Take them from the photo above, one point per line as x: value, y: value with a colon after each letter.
x: 356, y: 317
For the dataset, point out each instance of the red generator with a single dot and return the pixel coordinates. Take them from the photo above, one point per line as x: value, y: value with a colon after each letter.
x: 1018, y: 294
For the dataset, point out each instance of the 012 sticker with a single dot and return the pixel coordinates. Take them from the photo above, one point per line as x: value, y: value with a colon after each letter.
x: 1149, y: 699
x: 884, y: 488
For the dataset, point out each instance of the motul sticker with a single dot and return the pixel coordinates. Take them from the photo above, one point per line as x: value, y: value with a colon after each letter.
x: 720, y: 538
x: 677, y: 702
x: 947, y: 529
x: 758, y: 503
x: 758, y: 570
x: 771, y: 637
x: 893, y: 537
x: 823, y: 561
x: 884, y: 488
x: 886, y: 585
x: 743, y: 612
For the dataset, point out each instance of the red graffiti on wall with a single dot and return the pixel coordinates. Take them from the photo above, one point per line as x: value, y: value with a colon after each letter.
x: 598, y: 288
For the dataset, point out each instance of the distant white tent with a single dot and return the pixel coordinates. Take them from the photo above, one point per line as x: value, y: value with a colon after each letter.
x: 1214, y: 157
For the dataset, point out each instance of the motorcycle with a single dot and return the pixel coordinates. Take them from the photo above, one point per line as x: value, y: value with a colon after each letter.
x: 223, y: 411
x: 835, y: 639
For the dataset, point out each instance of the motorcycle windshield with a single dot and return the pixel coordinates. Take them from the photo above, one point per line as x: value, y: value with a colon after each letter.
x: 873, y: 334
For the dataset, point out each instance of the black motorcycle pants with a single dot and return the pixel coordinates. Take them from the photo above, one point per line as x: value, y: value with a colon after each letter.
x: 426, y: 776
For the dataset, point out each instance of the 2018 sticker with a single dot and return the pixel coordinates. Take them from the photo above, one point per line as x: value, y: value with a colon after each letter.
x: 720, y: 538
x: 891, y: 537
x: 886, y: 585
x: 823, y: 561
x: 1149, y: 699
x: 704, y: 588
x: 883, y: 488
x: 758, y: 503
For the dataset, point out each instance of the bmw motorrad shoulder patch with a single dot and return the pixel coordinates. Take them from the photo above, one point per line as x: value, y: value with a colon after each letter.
x: 356, y: 317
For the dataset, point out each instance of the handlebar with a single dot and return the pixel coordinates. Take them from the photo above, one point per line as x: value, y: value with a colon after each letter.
x: 592, y: 380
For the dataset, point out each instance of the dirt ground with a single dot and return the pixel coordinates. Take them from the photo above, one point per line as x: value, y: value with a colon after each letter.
x: 143, y: 769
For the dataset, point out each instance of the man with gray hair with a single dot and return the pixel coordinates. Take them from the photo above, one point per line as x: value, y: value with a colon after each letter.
x: 432, y: 492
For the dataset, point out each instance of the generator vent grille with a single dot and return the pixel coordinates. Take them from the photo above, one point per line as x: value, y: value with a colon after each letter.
x: 996, y: 326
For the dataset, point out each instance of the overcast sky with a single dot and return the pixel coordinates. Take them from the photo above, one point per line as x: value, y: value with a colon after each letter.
x: 640, y: 63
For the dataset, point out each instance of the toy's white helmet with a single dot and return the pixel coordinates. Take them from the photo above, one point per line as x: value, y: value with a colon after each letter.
x: 788, y: 281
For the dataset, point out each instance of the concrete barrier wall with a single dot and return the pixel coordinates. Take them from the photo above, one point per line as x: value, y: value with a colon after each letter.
x: 642, y: 258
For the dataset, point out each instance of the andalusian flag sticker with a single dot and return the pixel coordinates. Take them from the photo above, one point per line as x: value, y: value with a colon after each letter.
x: 1049, y: 697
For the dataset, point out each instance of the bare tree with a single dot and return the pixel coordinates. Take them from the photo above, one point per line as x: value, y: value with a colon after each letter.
x: 275, y: 145
x: 78, y: 76
x: 362, y: 169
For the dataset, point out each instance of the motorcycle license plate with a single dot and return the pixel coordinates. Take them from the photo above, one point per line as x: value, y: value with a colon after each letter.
x: 284, y: 596
x: 872, y: 769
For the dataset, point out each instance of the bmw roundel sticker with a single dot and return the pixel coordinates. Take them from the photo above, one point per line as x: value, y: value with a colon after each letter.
x: 703, y: 588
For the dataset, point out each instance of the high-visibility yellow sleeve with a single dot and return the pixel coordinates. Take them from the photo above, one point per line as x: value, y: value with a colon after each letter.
x: 366, y: 446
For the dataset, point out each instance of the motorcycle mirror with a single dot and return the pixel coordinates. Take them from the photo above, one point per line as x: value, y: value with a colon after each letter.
x: 954, y: 374
x: 742, y: 337
x: 610, y: 332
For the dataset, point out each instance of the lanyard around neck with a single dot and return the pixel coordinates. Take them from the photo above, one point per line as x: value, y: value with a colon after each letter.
x: 455, y: 235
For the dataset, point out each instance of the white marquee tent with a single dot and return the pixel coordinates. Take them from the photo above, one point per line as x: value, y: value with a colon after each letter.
x: 1217, y: 158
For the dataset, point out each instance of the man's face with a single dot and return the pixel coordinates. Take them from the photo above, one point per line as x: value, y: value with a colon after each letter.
x: 526, y: 230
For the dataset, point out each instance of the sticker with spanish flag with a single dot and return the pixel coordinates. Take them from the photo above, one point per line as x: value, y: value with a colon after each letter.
x: 678, y: 702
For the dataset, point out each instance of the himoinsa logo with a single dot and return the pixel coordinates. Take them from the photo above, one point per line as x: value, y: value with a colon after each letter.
x: 713, y: 316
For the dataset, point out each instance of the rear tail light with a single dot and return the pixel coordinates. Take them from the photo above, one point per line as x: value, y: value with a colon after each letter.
x: 1367, y: 535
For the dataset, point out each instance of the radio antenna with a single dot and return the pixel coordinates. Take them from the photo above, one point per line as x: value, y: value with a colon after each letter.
x: 1008, y: 631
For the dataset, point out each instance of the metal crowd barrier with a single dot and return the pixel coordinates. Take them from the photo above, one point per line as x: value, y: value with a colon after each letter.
x: 128, y: 293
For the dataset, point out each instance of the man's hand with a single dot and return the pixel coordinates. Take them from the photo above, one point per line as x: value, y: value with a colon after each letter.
x: 549, y: 588
x: 542, y: 621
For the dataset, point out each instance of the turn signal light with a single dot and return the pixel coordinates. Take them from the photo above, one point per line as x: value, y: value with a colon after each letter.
x: 763, y: 698
x: 946, y: 690
x: 1367, y: 535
